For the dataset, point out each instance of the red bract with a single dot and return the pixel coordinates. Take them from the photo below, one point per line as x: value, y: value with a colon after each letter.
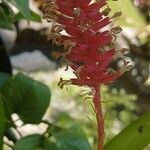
x: 88, y: 46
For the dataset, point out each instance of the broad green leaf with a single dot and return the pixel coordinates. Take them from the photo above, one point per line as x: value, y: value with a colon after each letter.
x: 3, y: 78
x: 72, y: 138
x: 26, y: 97
x: 33, y: 17
x: 134, y: 137
x: 2, y: 121
x: 23, y: 6
x: 30, y: 142
x: 34, y: 142
x: 130, y: 14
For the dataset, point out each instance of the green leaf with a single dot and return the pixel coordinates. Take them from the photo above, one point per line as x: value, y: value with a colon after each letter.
x: 33, y: 17
x: 6, y: 25
x: 34, y: 142
x: 2, y: 121
x: 72, y: 138
x: 29, y: 142
x: 5, y: 18
x: 49, y: 145
x: 134, y: 137
x: 23, y: 6
x: 26, y: 97
x: 40, y: 149
x: 3, y: 78
x: 130, y: 14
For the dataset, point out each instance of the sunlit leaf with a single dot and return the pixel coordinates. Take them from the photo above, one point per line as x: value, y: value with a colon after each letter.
x: 134, y: 137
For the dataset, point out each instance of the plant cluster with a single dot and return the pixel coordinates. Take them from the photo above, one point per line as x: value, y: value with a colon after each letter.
x: 85, y: 31
x: 89, y: 46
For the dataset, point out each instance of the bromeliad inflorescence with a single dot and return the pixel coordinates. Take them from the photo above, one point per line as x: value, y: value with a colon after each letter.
x: 89, y: 46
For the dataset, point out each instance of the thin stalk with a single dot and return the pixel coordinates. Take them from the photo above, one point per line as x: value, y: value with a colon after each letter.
x: 99, y: 118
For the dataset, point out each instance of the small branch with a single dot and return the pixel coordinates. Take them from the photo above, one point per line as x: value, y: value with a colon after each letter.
x: 99, y: 118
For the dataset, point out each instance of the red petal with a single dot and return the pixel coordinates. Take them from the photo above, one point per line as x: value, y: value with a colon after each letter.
x: 101, y: 24
x: 96, y: 6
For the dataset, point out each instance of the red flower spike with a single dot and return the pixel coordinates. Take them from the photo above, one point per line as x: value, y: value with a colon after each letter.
x: 100, y: 24
x: 86, y: 47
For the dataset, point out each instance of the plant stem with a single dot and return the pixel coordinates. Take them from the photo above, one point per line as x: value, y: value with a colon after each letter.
x: 99, y: 118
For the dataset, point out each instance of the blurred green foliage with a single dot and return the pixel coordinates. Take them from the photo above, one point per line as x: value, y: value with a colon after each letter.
x: 23, y: 97
x: 135, y: 137
x: 131, y: 17
x: 9, y: 16
x: 75, y: 129
x: 85, y: 115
